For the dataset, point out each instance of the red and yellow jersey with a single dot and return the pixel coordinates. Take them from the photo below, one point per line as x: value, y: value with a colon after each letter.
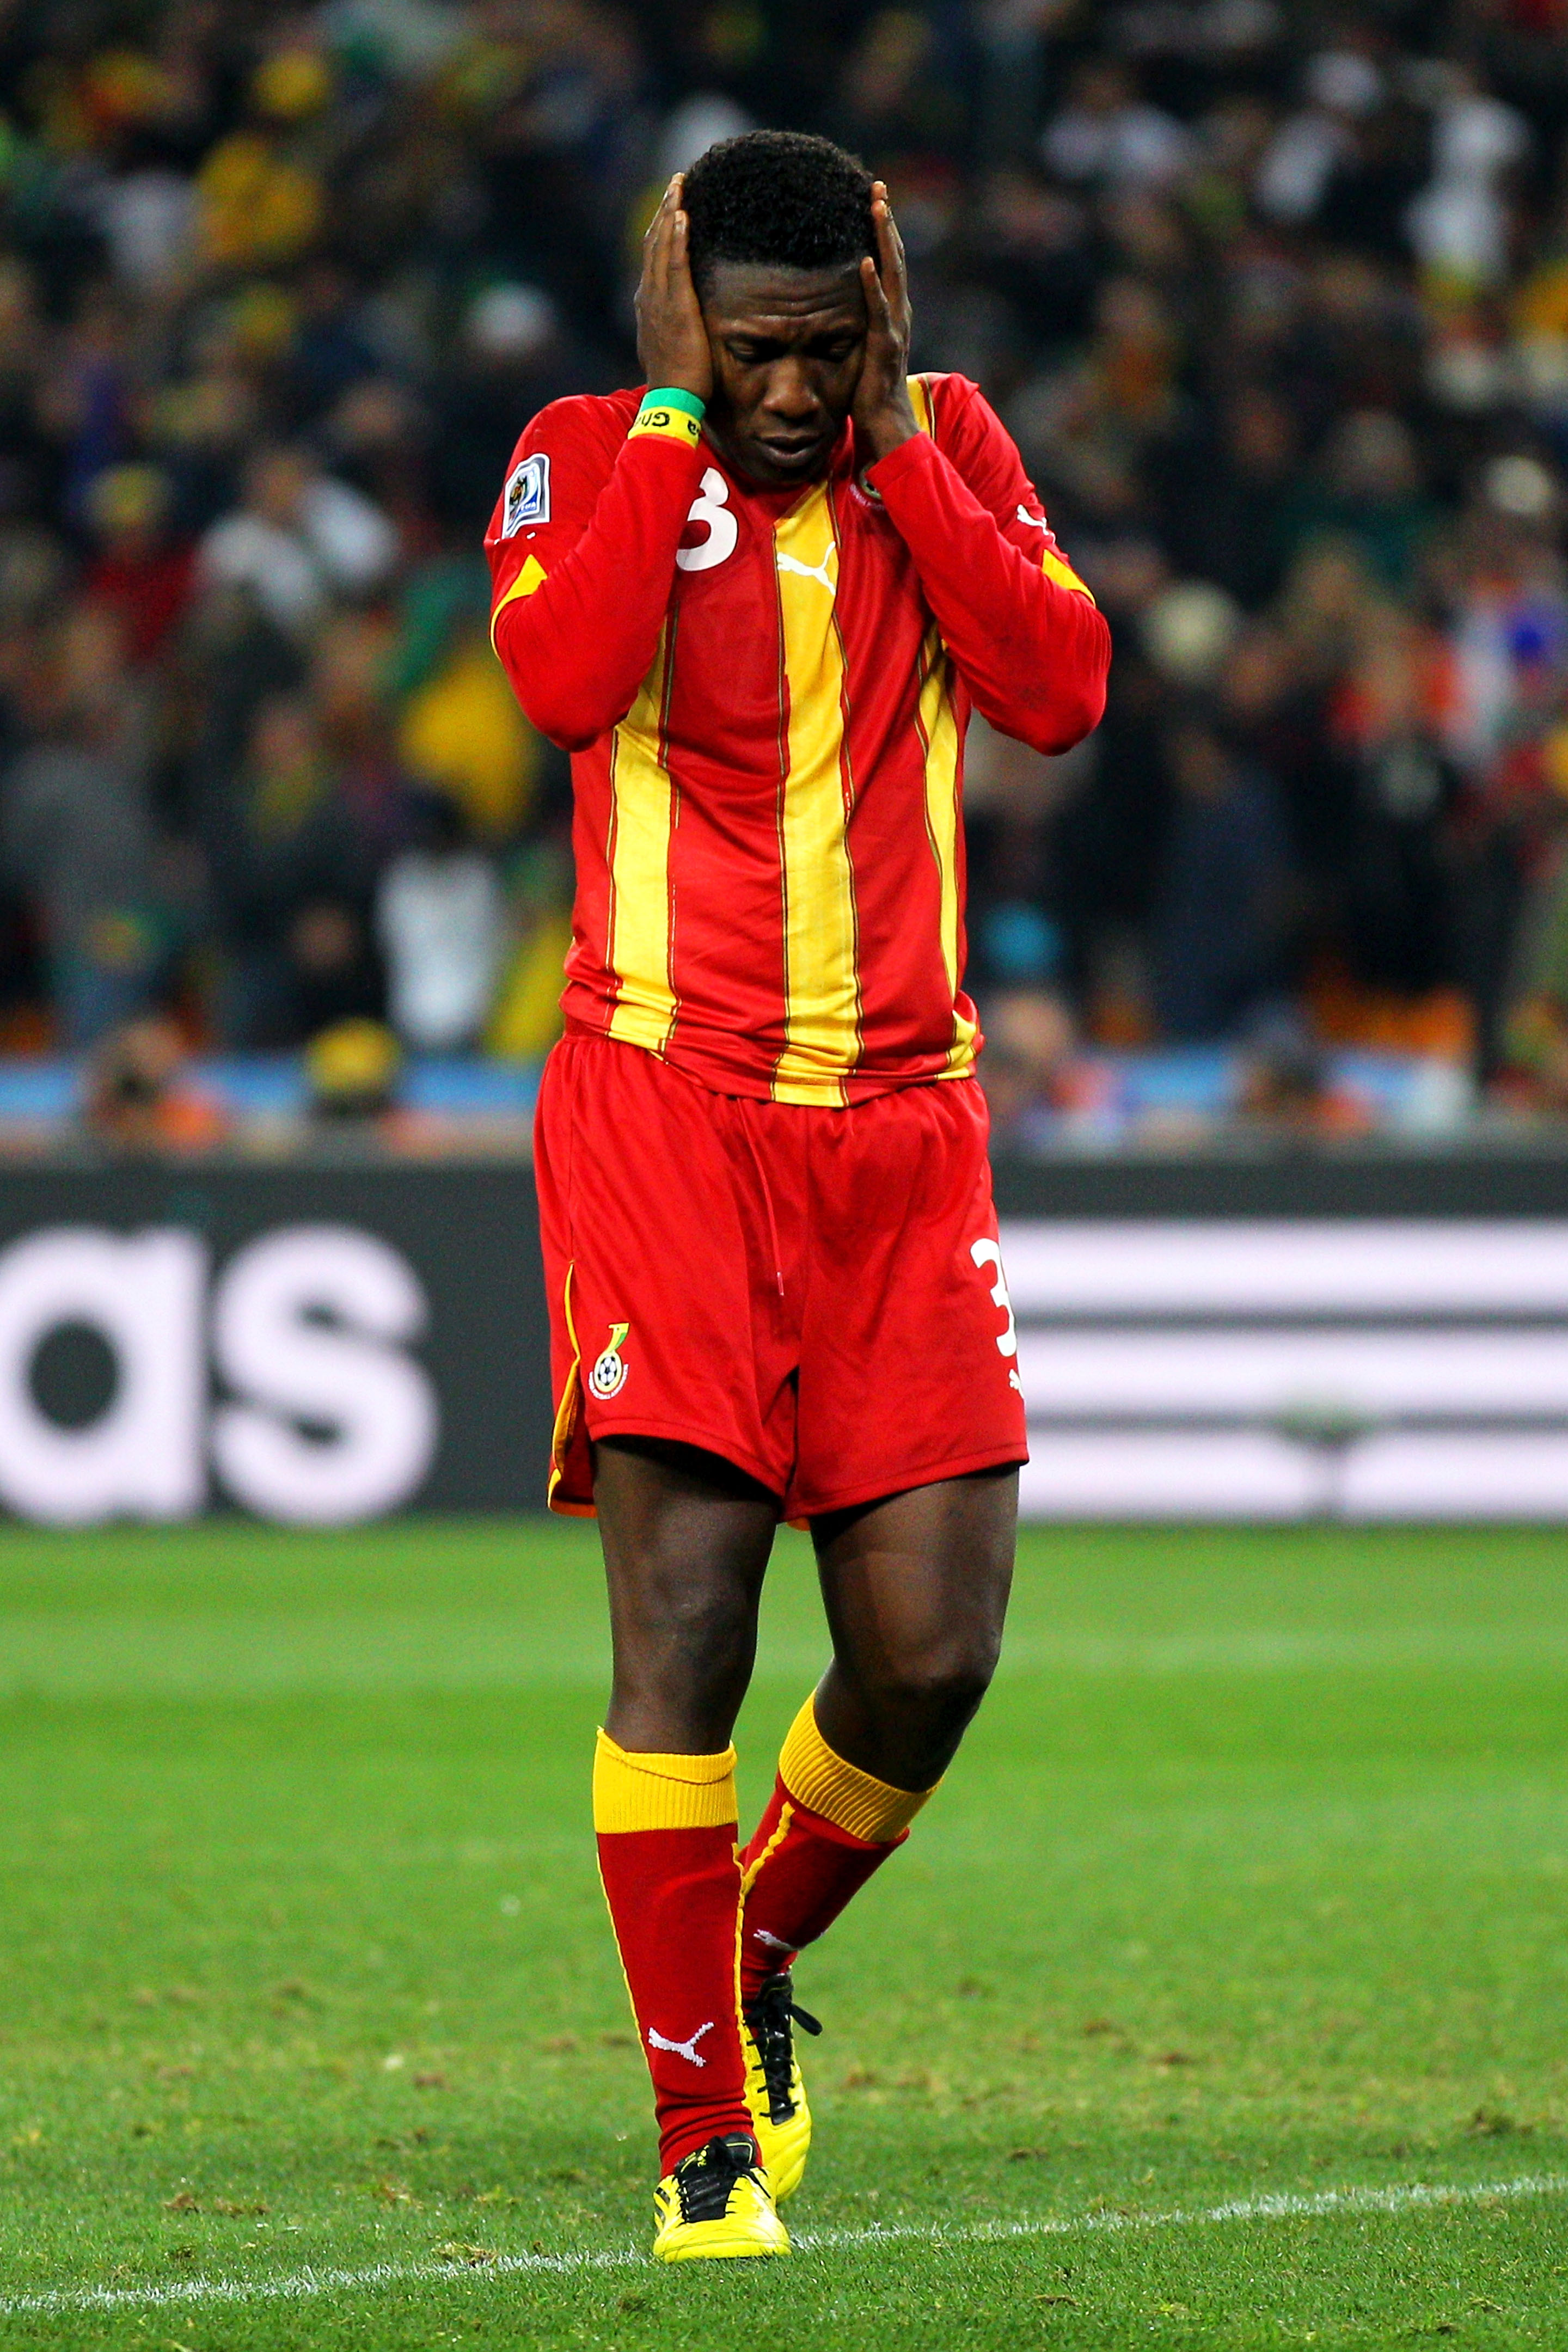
x: 766, y: 694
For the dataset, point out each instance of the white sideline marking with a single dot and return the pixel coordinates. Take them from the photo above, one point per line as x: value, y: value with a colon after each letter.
x: 297, y: 2286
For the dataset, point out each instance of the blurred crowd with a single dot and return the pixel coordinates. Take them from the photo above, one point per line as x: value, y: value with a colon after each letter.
x: 1274, y: 297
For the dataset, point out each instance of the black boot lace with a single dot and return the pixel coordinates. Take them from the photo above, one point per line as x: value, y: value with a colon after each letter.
x: 704, y: 2179
x: 771, y: 2019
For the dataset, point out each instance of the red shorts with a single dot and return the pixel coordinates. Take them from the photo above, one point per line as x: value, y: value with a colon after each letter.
x: 816, y: 1295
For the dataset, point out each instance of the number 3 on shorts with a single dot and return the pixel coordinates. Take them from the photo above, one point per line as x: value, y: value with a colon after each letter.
x: 988, y: 1253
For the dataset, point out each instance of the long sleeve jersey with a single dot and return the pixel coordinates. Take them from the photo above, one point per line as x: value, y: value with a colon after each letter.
x: 766, y: 694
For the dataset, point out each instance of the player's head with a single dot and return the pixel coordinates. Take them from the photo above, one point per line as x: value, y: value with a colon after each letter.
x: 780, y: 200
x: 779, y: 224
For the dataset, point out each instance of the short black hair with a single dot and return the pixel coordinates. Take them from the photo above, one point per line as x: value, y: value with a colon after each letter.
x: 782, y: 198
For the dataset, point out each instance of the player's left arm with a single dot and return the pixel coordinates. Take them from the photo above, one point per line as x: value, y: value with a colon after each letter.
x: 1019, y: 626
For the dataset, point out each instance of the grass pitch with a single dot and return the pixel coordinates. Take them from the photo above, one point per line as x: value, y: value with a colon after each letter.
x: 1241, y: 1915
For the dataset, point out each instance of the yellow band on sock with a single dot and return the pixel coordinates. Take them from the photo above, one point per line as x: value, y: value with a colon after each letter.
x: 841, y: 1793
x: 632, y: 1791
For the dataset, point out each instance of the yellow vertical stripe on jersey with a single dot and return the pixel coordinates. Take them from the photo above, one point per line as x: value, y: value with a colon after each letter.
x: 642, y: 800
x: 939, y: 734
x: 822, y: 995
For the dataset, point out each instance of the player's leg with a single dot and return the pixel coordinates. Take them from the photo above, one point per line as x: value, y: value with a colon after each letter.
x: 686, y: 1539
x: 668, y: 1324
x: 916, y: 1593
x: 910, y: 1427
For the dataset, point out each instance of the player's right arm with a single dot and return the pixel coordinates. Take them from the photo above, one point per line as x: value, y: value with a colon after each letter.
x: 582, y: 543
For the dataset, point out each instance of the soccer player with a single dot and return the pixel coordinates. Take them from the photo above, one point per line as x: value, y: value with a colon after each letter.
x: 757, y: 600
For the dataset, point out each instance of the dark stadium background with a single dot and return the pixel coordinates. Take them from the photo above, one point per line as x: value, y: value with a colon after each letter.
x: 1274, y: 298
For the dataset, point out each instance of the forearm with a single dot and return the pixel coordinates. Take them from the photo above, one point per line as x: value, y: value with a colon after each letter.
x: 576, y: 641
x: 1033, y: 651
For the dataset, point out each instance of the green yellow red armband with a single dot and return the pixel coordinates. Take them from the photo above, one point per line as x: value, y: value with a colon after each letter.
x: 671, y: 414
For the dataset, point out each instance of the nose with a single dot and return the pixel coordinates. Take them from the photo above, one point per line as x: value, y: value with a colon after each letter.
x: 792, y: 395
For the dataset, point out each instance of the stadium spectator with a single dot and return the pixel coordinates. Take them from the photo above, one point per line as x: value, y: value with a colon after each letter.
x: 1106, y: 137
x: 299, y: 538
x: 138, y: 1097
x: 1228, y: 851
x: 440, y: 919
x: 76, y: 825
x: 142, y: 570
x: 292, y: 864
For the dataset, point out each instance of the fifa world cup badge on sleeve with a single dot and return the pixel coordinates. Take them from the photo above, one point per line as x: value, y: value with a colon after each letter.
x: 527, y: 495
x: 609, y: 1375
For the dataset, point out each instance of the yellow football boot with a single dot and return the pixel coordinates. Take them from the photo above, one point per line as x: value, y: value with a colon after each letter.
x: 775, y: 2091
x: 717, y: 2204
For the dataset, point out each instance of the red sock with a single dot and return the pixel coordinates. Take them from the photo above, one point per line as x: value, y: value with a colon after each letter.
x: 800, y: 1872
x: 826, y: 1828
x: 665, y: 1827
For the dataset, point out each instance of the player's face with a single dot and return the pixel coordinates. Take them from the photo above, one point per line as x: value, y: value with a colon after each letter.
x: 787, y: 351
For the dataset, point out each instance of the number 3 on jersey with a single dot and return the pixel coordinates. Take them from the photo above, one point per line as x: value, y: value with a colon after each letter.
x: 989, y: 1253
x: 710, y: 509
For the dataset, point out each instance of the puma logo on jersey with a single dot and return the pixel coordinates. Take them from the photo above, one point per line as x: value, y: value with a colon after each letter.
x: 1037, y: 522
x: 657, y: 2040
x: 774, y: 1943
x: 807, y: 570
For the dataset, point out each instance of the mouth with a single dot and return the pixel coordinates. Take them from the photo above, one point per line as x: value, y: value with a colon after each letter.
x: 792, y: 453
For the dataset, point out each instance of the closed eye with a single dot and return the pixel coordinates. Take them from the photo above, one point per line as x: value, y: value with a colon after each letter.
x: 834, y: 350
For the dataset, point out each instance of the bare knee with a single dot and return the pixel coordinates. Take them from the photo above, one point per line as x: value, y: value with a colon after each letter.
x: 917, y: 1707
x: 940, y: 1688
x: 683, y: 1650
x: 916, y: 1588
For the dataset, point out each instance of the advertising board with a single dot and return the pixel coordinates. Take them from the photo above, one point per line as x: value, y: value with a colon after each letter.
x: 316, y: 1344
x: 1267, y: 1369
x: 320, y: 1343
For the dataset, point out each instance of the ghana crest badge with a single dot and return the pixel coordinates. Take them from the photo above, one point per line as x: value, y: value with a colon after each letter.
x: 609, y: 1373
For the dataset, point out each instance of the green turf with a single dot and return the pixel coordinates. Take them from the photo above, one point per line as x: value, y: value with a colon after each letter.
x: 1252, y: 1881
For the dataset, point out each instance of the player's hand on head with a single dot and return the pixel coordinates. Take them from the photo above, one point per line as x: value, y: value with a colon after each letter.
x: 672, y: 341
x: 883, y: 413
